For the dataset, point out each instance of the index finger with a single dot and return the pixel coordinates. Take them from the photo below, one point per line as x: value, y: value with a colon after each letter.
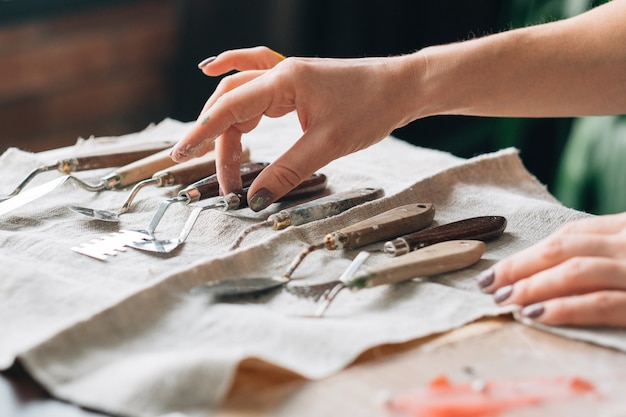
x: 257, y: 58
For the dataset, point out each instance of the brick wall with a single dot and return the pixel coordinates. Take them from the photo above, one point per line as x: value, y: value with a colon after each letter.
x: 104, y: 71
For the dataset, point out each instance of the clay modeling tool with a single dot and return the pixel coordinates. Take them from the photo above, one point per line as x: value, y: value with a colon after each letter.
x: 311, y: 211
x: 476, y: 228
x: 483, y: 228
x: 384, y: 226
x: 112, y: 158
x: 121, y: 177
x: 432, y: 260
x: 380, y: 227
x: 179, y: 174
x: 102, y: 247
x: 313, y: 185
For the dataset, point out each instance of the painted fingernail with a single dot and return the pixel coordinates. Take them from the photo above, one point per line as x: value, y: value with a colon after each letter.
x: 503, y: 293
x: 206, y: 61
x: 261, y: 199
x: 485, y: 278
x: 533, y: 311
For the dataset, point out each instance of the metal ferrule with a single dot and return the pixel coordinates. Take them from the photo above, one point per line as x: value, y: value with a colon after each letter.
x: 191, y: 196
x: 111, y: 181
x: 67, y: 166
x: 164, y: 180
x: 336, y: 240
x: 280, y: 221
x: 230, y: 202
x: 396, y: 247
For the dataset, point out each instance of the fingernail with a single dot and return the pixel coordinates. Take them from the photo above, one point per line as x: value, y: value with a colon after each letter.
x: 533, y: 311
x: 503, y: 293
x: 261, y: 199
x: 206, y: 61
x: 178, y: 155
x: 485, y: 278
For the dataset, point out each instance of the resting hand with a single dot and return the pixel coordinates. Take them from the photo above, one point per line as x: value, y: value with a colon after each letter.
x: 343, y: 105
x: 577, y: 276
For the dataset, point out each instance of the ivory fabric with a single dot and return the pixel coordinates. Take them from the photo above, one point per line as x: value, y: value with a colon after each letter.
x: 129, y: 336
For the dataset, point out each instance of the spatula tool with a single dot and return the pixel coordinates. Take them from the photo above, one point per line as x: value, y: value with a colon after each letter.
x: 118, y: 157
x: 432, y: 260
x: 390, y: 223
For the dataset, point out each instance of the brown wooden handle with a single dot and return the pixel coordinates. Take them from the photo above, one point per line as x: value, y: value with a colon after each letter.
x: 431, y: 260
x: 143, y: 168
x: 112, y: 158
x: 482, y: 228
x: 392, y: 223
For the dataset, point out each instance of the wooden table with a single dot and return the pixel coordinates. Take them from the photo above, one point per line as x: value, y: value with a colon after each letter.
x: 487, y: 349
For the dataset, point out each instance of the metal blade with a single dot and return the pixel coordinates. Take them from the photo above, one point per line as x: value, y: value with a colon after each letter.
x: 28, y: 196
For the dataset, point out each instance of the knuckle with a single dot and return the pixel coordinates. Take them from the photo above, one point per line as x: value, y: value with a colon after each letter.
x: 553, y: 249
x: 287, y: 177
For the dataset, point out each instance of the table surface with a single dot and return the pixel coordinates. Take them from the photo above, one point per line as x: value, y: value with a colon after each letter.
x: 489, y: 349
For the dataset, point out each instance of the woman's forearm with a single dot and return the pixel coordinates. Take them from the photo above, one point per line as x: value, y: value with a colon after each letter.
x: 573, y: 67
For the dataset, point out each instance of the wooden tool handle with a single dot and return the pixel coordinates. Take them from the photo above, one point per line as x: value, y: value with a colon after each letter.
x: 316, y: 183
x: 108, y: 159
x: 477, y: 228
x: 435, y: 259
x: 324, y: 207
x: 387, y: 225
x: 192, y: 170
x: 142, y: 169
x: 209, y: 187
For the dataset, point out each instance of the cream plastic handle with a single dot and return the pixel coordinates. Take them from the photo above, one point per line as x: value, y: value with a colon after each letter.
x: 143, y: 168
x: 431, y: 260
x: 192, y: 170
x: 395, y: 222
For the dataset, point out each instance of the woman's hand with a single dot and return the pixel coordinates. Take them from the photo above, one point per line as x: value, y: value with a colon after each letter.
x: 343, y: 105
x: 577, y: 276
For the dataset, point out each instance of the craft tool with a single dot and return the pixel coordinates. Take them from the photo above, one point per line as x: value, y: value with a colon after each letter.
x: 380, y: 227
x: 311, y: 211
x: 121, y: 177
x: 311, y: 186
x: 103, y: 159
x: 483, y: 228
x: 435, y: 259
x: 476, y: 228
x: 183, y: 173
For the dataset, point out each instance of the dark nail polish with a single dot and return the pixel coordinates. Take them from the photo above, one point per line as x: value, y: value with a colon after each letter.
x: 206, y: 61
x: 533, y: 311
x: 503, y: 293
x: 261, y: 199
x: 485, y: 278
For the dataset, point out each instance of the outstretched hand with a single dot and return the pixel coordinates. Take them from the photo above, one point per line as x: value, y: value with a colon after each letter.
x: 577, y: 276
x: 343, y: 105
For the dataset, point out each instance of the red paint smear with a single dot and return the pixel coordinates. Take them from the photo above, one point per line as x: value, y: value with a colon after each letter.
x: 485, y: 398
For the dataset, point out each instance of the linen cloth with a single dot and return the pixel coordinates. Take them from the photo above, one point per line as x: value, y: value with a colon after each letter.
x: 129, y: 335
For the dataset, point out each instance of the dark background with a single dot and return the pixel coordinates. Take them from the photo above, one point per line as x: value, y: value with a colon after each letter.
x: 325, y: 28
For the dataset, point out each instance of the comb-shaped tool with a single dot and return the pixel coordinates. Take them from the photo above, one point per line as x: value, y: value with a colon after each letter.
x: 109, y: 245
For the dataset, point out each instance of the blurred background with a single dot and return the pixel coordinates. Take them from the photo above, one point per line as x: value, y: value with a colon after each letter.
x: 77, y: 68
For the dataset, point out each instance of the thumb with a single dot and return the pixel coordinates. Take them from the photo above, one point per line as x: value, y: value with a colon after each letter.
x: 305, y: 157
